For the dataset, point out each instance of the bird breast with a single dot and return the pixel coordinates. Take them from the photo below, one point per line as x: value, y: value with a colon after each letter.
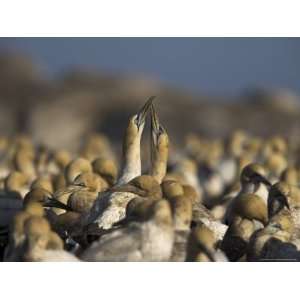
x: 157, y: 242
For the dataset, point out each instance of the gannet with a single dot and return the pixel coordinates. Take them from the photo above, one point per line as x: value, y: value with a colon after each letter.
x: 202, y: 214
x: 14, y: 248
x: 96, y: 146
x: 76, y: 167
x: 43, y: 197
x: 159, y: 148
x: 16, y: 182
x: 182, y: 218
x: 110, y: 208
x: 131, y: 167
x: 253, y: 182
x: 15, y: 186
x: 149, y: 240
x: 43, y: 182
x: 78, y: 196
x: 24, y: 163
x: 276, y: 240
x: 202, y: 245
x: 281, y: 201
x: 107, y: 169
x: 41, y: 244
x: 82, y: 199
x: 246, y: 213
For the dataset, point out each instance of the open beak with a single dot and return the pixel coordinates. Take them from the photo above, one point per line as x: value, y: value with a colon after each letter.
x: 260, y: 179
x: 52, y: 202
x: 141, y: 116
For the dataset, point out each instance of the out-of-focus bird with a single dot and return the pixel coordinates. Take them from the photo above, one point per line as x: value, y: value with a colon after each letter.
x: 41, y: 244
x: 76, y: 167
x: 247, y: 212
x: 202, y: 245
x: 149, y: 240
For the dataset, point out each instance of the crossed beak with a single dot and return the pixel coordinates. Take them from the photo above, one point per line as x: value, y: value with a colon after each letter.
x: 141, y: 116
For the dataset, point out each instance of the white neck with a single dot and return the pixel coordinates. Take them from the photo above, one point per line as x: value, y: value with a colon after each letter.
x: 131, y: 161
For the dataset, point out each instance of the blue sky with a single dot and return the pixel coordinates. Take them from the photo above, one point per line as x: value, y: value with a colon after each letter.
x: 208, y: 65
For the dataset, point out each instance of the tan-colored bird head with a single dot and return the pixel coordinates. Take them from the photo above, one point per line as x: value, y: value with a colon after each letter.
x: 16, y: 182
x: 76, y: 167
x: 190, y: 192
x: 92, y: 181
x: 24, y: 162
x: 254, y: 173
x: 136, y: 123
x: 188, y: 166
x: 276, y: 163
x: 38, y: 195
x: 290, y: 176
x: 143, y: 186
x: 43, y: 183
x: 96, y: 145
x: 159, y: 148
x: 278, y: 144
x: 278, y: 198
x: 61, y: 158
x: 139, y: 209
x: 171, y: 188
x: 236, y: 143
x: 24, y: 142
x: 107, y: 169
x: 182, y: 209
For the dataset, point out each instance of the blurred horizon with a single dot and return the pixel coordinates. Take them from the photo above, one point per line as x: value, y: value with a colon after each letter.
x: 213, y: 66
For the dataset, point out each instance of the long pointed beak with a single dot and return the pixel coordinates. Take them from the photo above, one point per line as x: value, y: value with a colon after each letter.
x: 154, y: 121
x: 128, y: 188
x: 141, y: 116
x: 52, y: 202
x: 261, y: 179
x: 154, y: 133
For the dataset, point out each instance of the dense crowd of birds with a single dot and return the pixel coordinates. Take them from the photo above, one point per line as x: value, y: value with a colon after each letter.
x: 236, y: 199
